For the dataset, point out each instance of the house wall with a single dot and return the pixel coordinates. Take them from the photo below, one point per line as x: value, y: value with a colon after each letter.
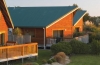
x: 3, y: 27
x: 80, y: 25
x: 65, y: 24
x: 37, y: 34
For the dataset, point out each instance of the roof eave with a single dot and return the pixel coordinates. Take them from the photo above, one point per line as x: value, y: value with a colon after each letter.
x: 8, y: 14
x: 80, y: 18
x: 61, y: 17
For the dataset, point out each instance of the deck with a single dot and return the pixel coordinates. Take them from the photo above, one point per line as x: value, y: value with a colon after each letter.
x: 8, y: 53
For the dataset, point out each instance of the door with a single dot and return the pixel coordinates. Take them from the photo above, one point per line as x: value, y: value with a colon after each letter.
x: 77, y: 29
x: 58, y: 34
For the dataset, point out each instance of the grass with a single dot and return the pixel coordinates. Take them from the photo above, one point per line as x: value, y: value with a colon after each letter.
x: 43, y: 54
x: 75, y: 59
x: 85, y: 60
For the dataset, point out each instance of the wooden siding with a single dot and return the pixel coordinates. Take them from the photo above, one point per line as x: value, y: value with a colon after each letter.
x: 65, y: 24
x: 79, y: 25
x: 38, y: 34
x: 3, y: 27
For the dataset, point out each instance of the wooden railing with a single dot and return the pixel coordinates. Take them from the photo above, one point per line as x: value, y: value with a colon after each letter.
x: 18, y: 51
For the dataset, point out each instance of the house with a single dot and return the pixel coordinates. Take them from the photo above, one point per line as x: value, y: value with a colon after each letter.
x: 48, y: 23
x: 5, y: 22
x: 78, y: 20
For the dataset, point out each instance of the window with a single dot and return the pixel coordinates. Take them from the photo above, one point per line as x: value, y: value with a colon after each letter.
x: 58, y: 34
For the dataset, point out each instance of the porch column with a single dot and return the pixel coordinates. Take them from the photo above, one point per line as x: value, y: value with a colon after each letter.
x: 44, y: 39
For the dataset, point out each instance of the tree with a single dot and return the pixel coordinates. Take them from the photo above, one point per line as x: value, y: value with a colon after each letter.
x: 17, y: 31
x: 75, y: 5
x: 86, y: 17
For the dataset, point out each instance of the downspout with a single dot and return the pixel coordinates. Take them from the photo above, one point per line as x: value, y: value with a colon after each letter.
x: 44, y: 39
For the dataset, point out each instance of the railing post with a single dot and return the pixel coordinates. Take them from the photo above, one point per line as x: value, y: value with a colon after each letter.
x: 22, y: 54
x: 7, y: 55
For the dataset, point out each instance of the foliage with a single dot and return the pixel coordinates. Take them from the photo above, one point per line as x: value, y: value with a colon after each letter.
x: 93, y: 36
x: 78, y: 47
x: 49, y: 61
x: 95, y: 47
x: 44, y: 61
x: 76, y: 34
x: 53, y: 60
x: 90, y: 28
x: 17, y: 31
x: 61, y: 47
x: 75, y: 5
x: 86, y: 17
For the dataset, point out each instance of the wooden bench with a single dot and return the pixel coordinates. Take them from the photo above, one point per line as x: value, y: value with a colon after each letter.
x: 10, y: 43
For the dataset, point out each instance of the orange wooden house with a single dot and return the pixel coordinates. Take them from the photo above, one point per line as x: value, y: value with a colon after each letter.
x: 5, y: 22
x: 48, y: 24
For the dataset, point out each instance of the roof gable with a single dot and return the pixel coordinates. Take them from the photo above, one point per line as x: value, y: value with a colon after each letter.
x: 79, y: 14
x: 5, y: 13
x: 37, y: 16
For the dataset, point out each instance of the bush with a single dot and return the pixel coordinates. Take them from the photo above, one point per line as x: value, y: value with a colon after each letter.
x: 53, y: 60
x: 49, y: 61
x: 61, y: 47
x: 44, y: 61
x: 95, y: 47
x: 76, y: 34
x: 78, y: 47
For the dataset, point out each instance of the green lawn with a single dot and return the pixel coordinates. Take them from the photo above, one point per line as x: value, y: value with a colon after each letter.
x: 85, y: 60
x: 75, y: 59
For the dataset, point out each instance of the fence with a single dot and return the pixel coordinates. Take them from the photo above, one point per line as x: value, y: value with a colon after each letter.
x: 84, y: 38
x: 18, y: 51
x: 20, y: 39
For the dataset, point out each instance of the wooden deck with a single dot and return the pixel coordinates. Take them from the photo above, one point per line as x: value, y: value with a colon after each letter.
x: 18, y: 51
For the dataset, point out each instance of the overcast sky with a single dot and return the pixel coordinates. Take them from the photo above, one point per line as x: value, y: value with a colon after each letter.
x: 92, y: 6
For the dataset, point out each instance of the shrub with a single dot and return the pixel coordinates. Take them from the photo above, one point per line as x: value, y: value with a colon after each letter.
x: 95, y: 47
x: 53, y: 60
x: 61, y: 47
x: 44, y: 61
x: 78, y: 47
x: 76, y: 34
x: 58, y: 58
x: 49, y: 61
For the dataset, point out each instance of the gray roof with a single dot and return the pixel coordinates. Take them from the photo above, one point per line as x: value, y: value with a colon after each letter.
x: 37, y: 16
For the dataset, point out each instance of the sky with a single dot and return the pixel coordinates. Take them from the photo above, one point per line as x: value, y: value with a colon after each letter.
x: 91, y: 6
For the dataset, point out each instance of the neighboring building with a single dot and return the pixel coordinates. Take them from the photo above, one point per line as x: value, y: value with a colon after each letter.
x: 5, y: 22
x: 43, y: 23
x: 78, y: 20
